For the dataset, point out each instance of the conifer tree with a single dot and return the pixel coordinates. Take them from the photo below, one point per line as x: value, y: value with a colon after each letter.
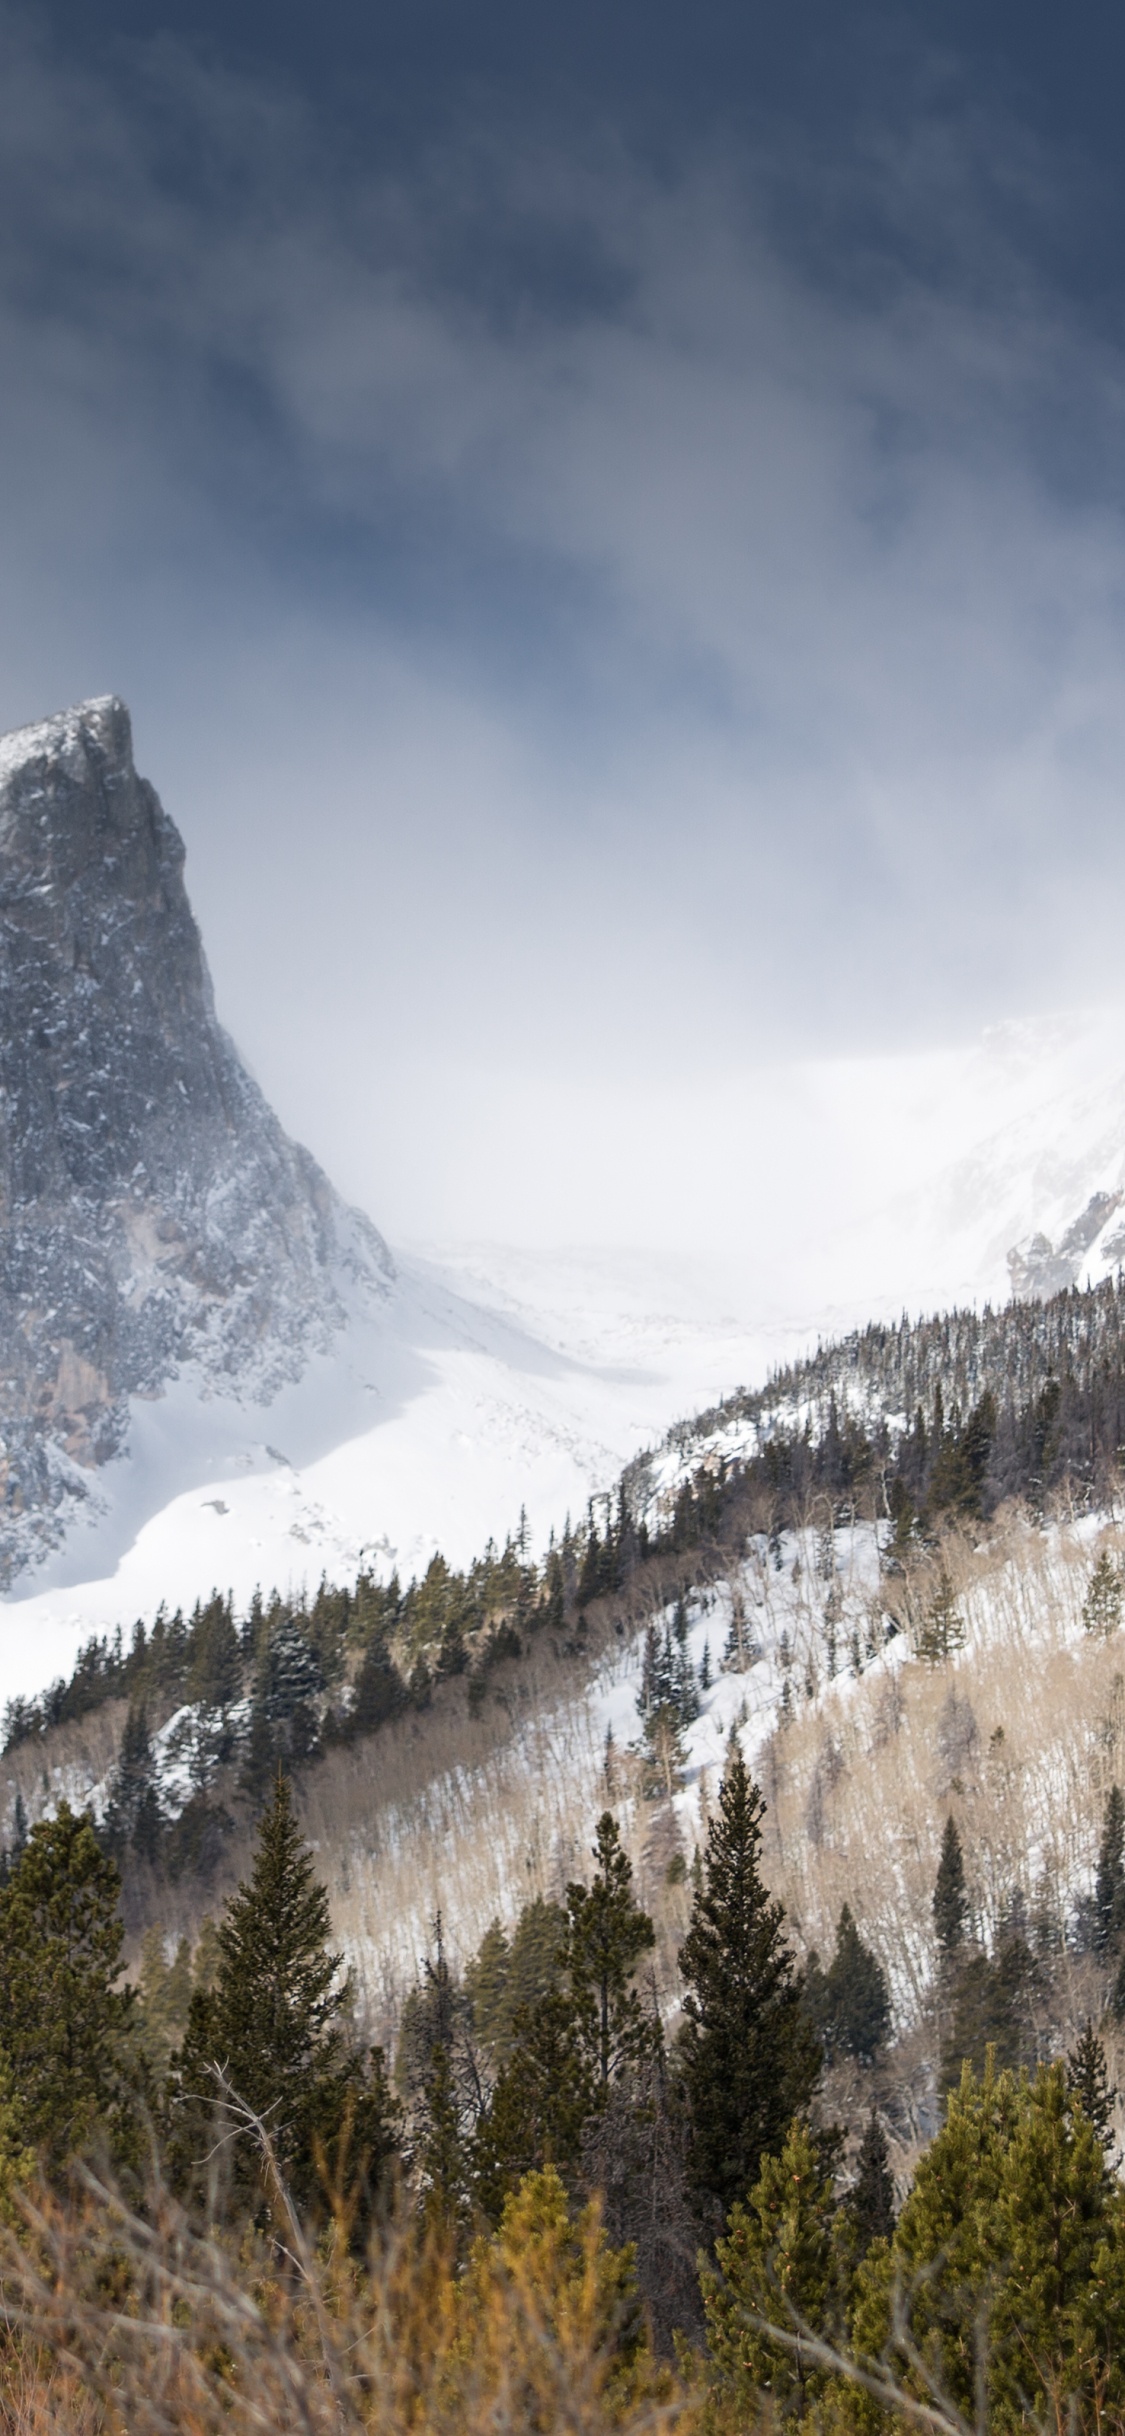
x: 1010, y: 2233
x: 781, y: 2264
x: 544, y: 2096
x: 749, y: 2058
x: 951, y: 1903
x: 942, y: 1629
x: 215, y: 1675
x: 66, y: 2027
x: 486, y: 1987
x: 870, y: 2203
x: 274, y: 2024
x: 133, y: 1815
x: 1087, y: 2082
x: 1109, y: 1883
x: 850, y: 2003
x: 379, y: 1689
x: 606, y: 1935
x: 1101, y: 1608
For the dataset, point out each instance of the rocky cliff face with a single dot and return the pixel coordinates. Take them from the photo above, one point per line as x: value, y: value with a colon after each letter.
x: 152, y: 1211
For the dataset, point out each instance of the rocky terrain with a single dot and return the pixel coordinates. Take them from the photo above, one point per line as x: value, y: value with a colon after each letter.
x: 153, y: 1213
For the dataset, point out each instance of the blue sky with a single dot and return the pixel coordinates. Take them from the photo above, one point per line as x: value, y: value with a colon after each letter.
x: 609, y: 521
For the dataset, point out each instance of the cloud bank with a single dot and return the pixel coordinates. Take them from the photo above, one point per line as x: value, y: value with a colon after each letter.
x: 601, y: 623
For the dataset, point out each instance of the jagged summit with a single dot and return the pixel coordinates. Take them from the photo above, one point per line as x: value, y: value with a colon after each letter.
x: 152, y: 1210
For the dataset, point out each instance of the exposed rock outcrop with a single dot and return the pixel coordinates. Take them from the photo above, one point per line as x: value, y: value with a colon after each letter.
x: 152, y: 1210
x: 1039, y: 1267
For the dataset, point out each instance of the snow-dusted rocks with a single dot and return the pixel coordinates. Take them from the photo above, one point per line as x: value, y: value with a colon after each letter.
x: 152, y: 1210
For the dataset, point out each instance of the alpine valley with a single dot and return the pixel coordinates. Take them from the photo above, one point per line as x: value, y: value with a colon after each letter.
x: 475, y: 1542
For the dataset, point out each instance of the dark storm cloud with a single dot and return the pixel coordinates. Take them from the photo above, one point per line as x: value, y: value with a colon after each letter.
x: 615, y: 546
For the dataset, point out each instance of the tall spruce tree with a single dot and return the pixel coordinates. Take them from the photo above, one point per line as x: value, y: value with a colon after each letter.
x: 951, y: 1903
x: 66, y: 2027
x: 749, y: 2058
x: 850, y: 2003
x: 274, y: 2025
x: 544, y: 2096
x: 133, y: 1815
x: 606, y: 1935
x: 1109, y: 1883
x: 1088, y: 2083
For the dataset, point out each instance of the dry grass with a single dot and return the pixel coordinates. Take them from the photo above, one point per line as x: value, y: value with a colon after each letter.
x: 119, y: 2321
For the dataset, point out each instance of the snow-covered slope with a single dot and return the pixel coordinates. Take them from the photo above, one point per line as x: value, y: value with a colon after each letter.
x: 430, y: 1425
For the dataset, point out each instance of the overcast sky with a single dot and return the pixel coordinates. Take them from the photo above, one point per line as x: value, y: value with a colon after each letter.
x: 610, y: 523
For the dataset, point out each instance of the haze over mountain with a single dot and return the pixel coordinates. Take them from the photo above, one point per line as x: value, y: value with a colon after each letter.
x: 214, y: 1372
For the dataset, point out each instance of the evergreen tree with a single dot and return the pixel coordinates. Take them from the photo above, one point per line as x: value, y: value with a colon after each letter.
x: 215, y: 1674
x: 274, y: 2023
x: 259, y: 1765
x: 66, y: 2028
x: 780, y: 2264
x: 870, y: 2203
x: 849, y: 2004
x: 536, y: 1960
x: 942, y: 1629
x: 379, y: 1689
x: 1109, y: 1883
x: 486, y: 1987
x: 665, y: 1757
x: 1087, y: 2082
x: 749, y: 2058
x: 992, y: 2011
x: 1101, y: 1608
x: 1004, y: 2284
x: 133, y: 1813
x: 606, y: 1935
x: 951, y: 1903
x: 545, y: 2094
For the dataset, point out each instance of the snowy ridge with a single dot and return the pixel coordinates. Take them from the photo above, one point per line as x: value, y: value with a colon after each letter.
x: 153, y: 1215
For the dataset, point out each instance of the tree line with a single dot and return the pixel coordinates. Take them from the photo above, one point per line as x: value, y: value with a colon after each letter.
x: 758, y: 2242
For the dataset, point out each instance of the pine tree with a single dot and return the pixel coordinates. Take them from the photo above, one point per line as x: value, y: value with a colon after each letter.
x: 379, y: 1689
x: 545, y: 2094
x: 850, y: 2003
x: 1101, y: 1609
x: 606, y: 1935
x: 274, y: 2023
x: 870, y: 2203
x: 66, y: 2028
x: 215, y: 1675
x: 749, y: 2058
x: 1087, y: 2082
x: 1109, y: 1883
x: 993, y: 2010
x: 942, y: 1629
x: 780, y: 2264
x: 950, y: 1903
x: 1012, y: 2224
x: 133, y: 1814
x: 486, y: 1987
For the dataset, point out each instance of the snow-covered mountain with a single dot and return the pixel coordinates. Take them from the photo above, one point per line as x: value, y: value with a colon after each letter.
x: 153, y: 1214
x: 214, y: 1374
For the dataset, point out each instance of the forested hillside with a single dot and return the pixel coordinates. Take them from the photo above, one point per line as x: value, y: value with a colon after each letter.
x: 699, y: 1891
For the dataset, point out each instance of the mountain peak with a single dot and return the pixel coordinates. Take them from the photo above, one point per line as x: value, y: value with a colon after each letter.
x: 152, y: 1210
